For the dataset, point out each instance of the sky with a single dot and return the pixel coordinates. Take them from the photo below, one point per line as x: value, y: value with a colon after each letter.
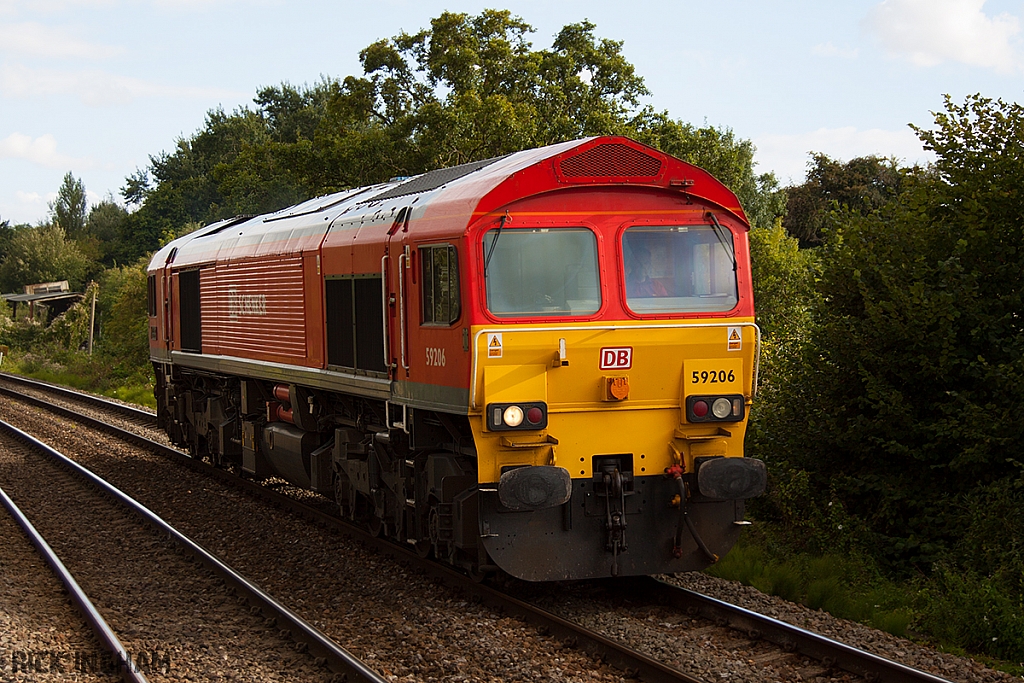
x: 97, y: 87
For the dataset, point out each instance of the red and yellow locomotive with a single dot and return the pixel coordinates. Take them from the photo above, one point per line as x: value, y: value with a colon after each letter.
x: 541, y: 363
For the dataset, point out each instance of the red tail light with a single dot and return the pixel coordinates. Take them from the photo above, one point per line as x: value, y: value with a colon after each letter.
x: 714, y: 408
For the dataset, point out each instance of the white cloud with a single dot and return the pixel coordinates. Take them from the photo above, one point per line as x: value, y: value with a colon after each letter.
x: 830, y: 50
x: 34, y: 198
x: 96, y: 88
x: 787, y: 155
x: 14, y: 7
x: 41, y: 151
x: 31, y: 38
x: 930, y: 32
x: 25, y: 207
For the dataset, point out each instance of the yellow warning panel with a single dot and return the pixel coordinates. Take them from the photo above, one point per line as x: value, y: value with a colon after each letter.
x: 735, y: 339
x: 717, y: 376
x: 494, y: 345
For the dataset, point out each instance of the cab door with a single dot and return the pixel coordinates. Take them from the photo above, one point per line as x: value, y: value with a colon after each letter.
x: 396, y: 267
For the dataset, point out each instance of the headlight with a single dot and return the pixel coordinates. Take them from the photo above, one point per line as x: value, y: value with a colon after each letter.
x: 521, y: 415
x: 714, y: 408
x: 721, y: 408
x: 513, y: 416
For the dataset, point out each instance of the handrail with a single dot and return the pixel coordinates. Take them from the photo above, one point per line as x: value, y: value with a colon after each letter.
x: 384, y: 308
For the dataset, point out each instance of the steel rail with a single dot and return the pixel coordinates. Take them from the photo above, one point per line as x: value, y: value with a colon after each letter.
x: 829, y: 652
x: 108, y: 639
x: 336, y: 657
x: 624, y: 658
x: 127, y: 411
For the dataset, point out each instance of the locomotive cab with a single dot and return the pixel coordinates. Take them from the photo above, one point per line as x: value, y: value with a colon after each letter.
x: 542, y: 363
x: 612, y: 381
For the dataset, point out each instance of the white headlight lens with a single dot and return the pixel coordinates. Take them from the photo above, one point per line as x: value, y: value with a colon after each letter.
x: 513, y: 416
x: 722, y: 408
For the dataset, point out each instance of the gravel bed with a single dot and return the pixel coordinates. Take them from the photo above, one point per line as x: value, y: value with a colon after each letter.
x: 671, y: 637
x: 398, y: 621
x: 692, y: 645
x: 96, y: 412
x: 856, y: 635
x: 657, y: 632
x: 172, y: 617
x: 43, y: 636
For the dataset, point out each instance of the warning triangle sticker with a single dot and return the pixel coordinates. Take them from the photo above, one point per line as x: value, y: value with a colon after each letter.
x: 495, y: 342
x: 734, y: 334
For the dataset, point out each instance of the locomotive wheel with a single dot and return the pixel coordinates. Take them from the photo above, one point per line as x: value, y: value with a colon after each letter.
x: 424, y: 548
x: 375, y: 525
x: 478, y: 575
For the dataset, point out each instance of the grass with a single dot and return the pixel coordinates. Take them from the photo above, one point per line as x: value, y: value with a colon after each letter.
x: 86, y: 373
x: 952, y: 611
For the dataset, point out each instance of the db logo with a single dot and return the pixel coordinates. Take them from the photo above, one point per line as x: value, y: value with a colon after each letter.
x: 620, y: 358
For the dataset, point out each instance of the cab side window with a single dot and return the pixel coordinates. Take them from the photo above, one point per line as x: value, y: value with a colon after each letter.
x: 440, y: 280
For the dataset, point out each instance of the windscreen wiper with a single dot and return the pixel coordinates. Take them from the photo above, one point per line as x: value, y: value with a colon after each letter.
x: 720, y: 233
x: 497, y: 233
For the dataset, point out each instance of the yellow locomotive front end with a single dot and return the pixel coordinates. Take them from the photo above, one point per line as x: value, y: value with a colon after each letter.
x: 609, y: 416
x: 631, y: 461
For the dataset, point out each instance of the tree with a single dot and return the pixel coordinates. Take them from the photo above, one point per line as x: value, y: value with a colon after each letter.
x: 102, y: 230
x: 125, y: 328
x: 68, y: 210
x: 915, y: 366
x: 861, y: 185
x: 719, y: 152
x: 41, y: 254
x: 469, y: 87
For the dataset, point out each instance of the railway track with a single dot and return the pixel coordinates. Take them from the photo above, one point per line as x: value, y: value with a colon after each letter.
x: 33, y: 606
x: 767, y: 642
x: 155, y: 584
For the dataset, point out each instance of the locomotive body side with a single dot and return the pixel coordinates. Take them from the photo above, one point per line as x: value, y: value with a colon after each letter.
x: 541, y: 363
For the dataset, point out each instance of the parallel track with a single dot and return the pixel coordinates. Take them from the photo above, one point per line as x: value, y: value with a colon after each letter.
x: 319, y: 645
x: 832, y: 654
x: 108, y: 639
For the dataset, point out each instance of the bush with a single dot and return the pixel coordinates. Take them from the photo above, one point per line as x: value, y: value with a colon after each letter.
x: 974, y: 612
x: 125, y: 340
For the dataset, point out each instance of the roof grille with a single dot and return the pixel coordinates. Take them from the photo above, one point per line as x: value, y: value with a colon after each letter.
x: 611, y: 160
x: 432, y: 180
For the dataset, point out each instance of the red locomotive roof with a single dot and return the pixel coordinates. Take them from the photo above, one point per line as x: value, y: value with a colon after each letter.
x: 449, y: 199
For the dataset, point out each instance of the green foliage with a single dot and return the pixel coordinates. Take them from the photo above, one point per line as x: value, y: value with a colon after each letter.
x: 41, y: 254
x: 783, y: 276
x: 467, y: 88
x: 7, y: 232
x: 860, y: 186
x: 974, y: 612
x: 119, y: 366
x: 68, y: 210
x: 81, y: 371
x: 103, y: 228
x: 991, y: 542
x: 891, y: 394
x: 846, y: 586
x: 70, y: 330
x: 918, y: 342
x: 124, y: 340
